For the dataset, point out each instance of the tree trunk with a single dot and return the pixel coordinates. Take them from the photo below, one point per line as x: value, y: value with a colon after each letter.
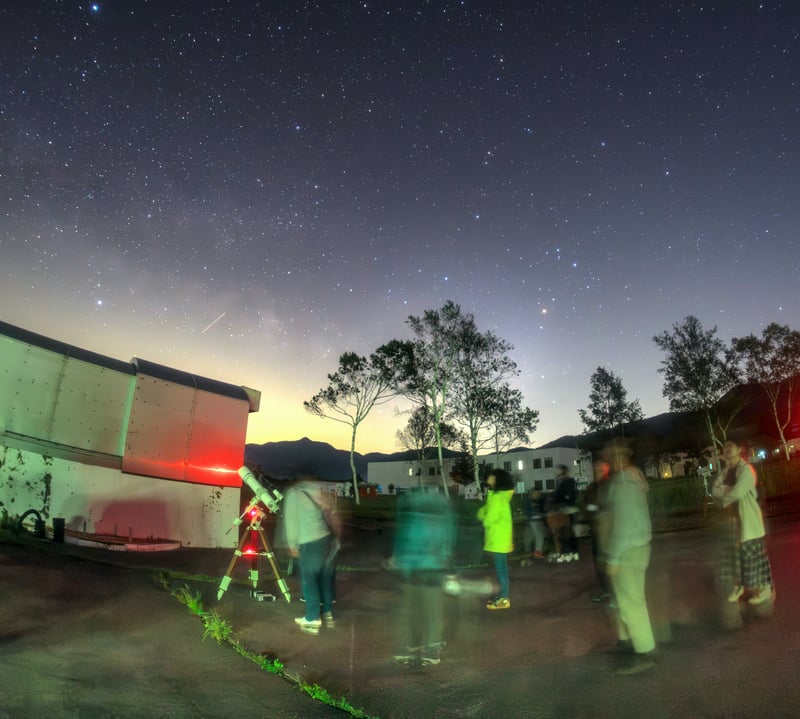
x: 713, y: 437
x: 353, y: 465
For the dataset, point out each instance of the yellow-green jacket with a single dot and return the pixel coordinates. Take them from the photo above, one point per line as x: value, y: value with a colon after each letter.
x: 495, y: 515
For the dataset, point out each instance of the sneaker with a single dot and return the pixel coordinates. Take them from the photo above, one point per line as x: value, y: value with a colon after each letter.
x: 411, y: 655
x: 764, y: 594
x: 309, y: 626
x: 638, y: 663
x: 499, y: 603
x: 736, y: 594
x: 452, y: 585
x: 431, y: 655
x: 538, y: 555
x: 330, y: 622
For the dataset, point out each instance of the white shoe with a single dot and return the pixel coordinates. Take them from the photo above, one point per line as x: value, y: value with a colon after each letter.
x: 765, y: 594
x: 309, y: 626
x: 735, y: 595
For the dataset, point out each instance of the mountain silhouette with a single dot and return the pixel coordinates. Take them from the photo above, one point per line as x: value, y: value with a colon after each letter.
x: 287, y: 459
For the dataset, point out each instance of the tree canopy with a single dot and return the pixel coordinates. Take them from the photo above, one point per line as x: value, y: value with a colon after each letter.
x: 609, y: 407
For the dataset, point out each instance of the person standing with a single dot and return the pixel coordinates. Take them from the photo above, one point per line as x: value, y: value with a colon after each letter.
x: 745, y: 566
x: 423, y: 554
x: 310, y: 539
x: 627, y: 555
x: 535, y: 514
x: 597, y: 508
x: 495, y: 515
x: 566, y: 504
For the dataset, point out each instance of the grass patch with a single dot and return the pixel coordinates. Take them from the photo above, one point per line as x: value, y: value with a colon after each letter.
x: 218, y: 628
x: 221, y: 630
x: 193, y: 602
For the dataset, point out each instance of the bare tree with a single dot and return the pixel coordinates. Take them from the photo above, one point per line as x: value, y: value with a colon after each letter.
x: 353, y: 390
x: 772, y: 361
x: 699, y: 370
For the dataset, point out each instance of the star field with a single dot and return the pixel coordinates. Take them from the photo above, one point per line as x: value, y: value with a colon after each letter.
x: 245, y: 190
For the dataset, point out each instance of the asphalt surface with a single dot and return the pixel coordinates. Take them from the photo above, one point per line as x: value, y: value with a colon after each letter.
x: 90, y: 633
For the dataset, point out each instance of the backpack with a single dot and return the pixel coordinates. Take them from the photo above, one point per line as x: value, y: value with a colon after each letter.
x: 329, y: 514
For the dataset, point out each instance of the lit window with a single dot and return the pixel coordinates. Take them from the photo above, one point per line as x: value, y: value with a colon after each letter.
x: 520, y: 465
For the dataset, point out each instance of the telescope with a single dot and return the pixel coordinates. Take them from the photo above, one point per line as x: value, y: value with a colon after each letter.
x: 258, y: 545
x: 269, y: 497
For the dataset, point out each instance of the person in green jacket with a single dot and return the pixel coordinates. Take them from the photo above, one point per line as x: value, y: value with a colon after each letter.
x: 498, y: 540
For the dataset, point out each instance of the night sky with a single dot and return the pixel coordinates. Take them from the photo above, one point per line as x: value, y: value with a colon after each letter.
x: 245, y: 190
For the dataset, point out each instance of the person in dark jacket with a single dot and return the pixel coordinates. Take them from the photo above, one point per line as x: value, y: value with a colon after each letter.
x: 562, y: 518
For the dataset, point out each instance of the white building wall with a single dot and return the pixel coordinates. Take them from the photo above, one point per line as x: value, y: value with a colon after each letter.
x: 404, y: 475
x: 529, y: 468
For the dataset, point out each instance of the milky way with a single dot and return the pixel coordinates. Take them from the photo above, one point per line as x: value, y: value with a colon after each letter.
x: 247, y: 190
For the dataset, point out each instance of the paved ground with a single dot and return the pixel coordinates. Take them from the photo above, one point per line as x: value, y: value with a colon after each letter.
x: 91, y: 633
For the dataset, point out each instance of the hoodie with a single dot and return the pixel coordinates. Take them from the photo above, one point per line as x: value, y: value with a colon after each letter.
x: 496, y: 518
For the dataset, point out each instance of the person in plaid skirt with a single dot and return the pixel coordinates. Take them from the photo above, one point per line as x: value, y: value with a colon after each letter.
x: 745, y: 568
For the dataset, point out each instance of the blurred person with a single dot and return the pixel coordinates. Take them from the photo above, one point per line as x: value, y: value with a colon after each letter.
x: 627, y: 555
x: 423, y: 554
x: 745, y: 566
x: 597, y: 508
x: 310, y: 539
x: 495, y: 515
x: 536, y: 516
x: 561, y: 519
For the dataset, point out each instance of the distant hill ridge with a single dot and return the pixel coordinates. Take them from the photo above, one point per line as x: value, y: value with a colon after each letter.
x: 670, y: 431
x: 287, y: 459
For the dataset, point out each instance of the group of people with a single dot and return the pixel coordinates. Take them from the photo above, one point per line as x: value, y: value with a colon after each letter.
x: 621, y: 534
x: 553, y: 513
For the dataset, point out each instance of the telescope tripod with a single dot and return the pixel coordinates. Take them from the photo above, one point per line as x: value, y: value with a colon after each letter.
x: 253, y: 545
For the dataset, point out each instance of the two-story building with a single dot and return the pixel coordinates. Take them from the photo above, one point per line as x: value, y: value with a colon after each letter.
x: 530, y: 468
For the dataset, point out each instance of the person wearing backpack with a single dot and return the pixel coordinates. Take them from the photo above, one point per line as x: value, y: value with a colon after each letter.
x: 314, y: 543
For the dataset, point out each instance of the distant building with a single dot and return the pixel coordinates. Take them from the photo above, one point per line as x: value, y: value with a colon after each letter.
x: 530, y: 468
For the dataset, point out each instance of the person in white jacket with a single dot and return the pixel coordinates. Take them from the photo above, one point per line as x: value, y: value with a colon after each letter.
x: 745, y: 565
x: 626, y: 555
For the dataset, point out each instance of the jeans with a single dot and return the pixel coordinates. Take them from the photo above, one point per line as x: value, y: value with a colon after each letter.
x: 501, y: 567
x: 317, y: 561
x: 538, y: 529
